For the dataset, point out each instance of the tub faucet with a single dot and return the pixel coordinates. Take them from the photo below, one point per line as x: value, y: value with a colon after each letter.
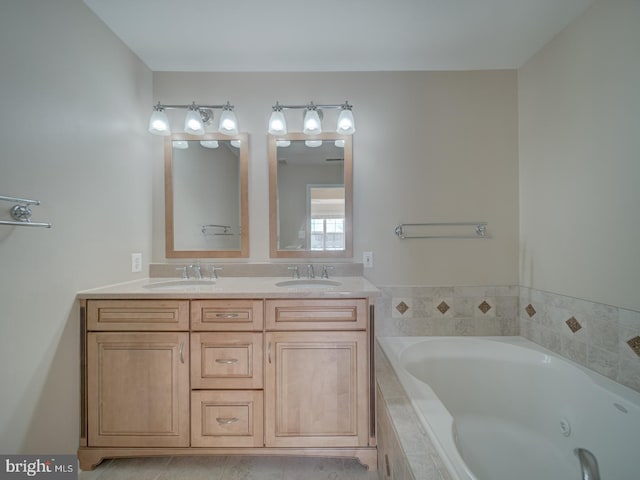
x: 310, y: 273
x: 588, y: 464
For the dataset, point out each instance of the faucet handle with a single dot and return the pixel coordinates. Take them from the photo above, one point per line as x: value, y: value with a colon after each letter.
x: 185, y: 272
x: 296, y: 271
x: 214, y: 271
x: 325, y: 271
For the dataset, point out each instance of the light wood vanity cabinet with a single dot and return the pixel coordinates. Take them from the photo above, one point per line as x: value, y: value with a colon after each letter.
x: 137, y: 383
x: 316, y: 389
x: 250, y: 376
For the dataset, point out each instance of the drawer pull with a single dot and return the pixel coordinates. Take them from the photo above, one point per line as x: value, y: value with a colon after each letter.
x: 227, y: 421
x: 227, y: 315
x: 227, y: 361
x: 181, y: 352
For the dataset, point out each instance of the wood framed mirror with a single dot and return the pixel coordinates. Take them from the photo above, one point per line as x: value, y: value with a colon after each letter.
x: 310, y: 196
x: 206, y: 196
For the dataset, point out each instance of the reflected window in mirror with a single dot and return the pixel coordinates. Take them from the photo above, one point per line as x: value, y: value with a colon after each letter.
x: 206, y: 196
x: 310, y: 188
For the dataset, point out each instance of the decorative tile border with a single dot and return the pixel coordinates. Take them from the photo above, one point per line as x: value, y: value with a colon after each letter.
x: 573, y: 324
x: 418, y: 310
x: 598, y: 336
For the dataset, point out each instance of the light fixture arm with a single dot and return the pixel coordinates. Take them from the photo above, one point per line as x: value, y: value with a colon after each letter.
x: 311, y: 106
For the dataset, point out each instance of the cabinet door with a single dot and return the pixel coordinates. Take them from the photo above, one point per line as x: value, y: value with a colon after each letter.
x: 316, y: 389
x: 138, y: 389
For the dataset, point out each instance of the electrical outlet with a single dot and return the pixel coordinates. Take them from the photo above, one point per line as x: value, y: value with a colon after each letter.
x: 367, y: 259
x: 136, y: 262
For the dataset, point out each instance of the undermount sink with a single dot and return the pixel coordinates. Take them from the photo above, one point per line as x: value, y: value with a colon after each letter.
x: 308, y: 283
x: 179, y: 284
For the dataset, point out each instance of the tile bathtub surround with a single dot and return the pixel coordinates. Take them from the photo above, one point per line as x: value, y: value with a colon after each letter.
x: 600, y: 337
x: 418, y: 310
x: 401, y: 437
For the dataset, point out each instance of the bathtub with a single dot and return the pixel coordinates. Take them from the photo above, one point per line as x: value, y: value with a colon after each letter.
x: 504, y: 408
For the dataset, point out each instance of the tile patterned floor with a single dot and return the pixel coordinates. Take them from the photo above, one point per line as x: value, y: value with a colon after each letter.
x: 229, y: 468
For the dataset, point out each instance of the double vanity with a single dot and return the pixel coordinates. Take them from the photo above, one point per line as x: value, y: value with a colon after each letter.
x: 235, y: 365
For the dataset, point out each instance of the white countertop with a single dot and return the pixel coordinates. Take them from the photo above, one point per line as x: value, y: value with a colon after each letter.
x: 230, y: 287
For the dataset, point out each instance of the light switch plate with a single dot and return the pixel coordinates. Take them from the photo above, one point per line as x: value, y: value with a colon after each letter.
x: 367, y: 259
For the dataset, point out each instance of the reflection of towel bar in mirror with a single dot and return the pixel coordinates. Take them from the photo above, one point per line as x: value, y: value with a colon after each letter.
x: 21, y: 213
x: 225, y: 229
x: 439, y: 228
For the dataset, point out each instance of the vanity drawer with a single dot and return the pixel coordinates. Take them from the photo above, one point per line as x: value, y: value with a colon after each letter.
x: 227, y: 315
x: 315, y: 314
x: 229, y: 418
x: 226, y: 360
x: 138, y: 315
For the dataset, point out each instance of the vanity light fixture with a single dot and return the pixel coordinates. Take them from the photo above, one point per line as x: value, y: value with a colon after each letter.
x: 228, y: 121
x: 313, y: 143
x: 277, y: 122
x: 346, y: 123
x: 197, y: 121
x: 312, y: 120
x: 159, y: 122
x: 312, y: 124
x: 193, y: 122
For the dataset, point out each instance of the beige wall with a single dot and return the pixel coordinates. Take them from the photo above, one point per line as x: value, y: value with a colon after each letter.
x: 579, y: 141
x: 451, y: 157
x: 75, y: 102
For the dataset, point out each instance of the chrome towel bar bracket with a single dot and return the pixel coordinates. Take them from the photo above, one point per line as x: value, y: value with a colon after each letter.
x: 21, y: 213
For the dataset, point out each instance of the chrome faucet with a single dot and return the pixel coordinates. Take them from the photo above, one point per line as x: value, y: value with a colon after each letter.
x: 588, y: 464
x: 310, y: 273
x: 184, y: 272
x: 213, y: 271
x: 198, y: 271
x: 325, y: 271
x: 295, y: 271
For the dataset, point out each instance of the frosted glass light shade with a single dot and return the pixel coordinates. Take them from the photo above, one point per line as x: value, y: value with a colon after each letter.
x: 235, y: 143
x: 193, y: 123
x: 313, y: 143
x: 312, y: 124
x: 283, y: 143
x: 228, y: 123
x: 277, y: 123
x: 209, y: 143
x: 346, y: 124
x: 159, y: 123
x: 181, y: 144
x: 339, y: 143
